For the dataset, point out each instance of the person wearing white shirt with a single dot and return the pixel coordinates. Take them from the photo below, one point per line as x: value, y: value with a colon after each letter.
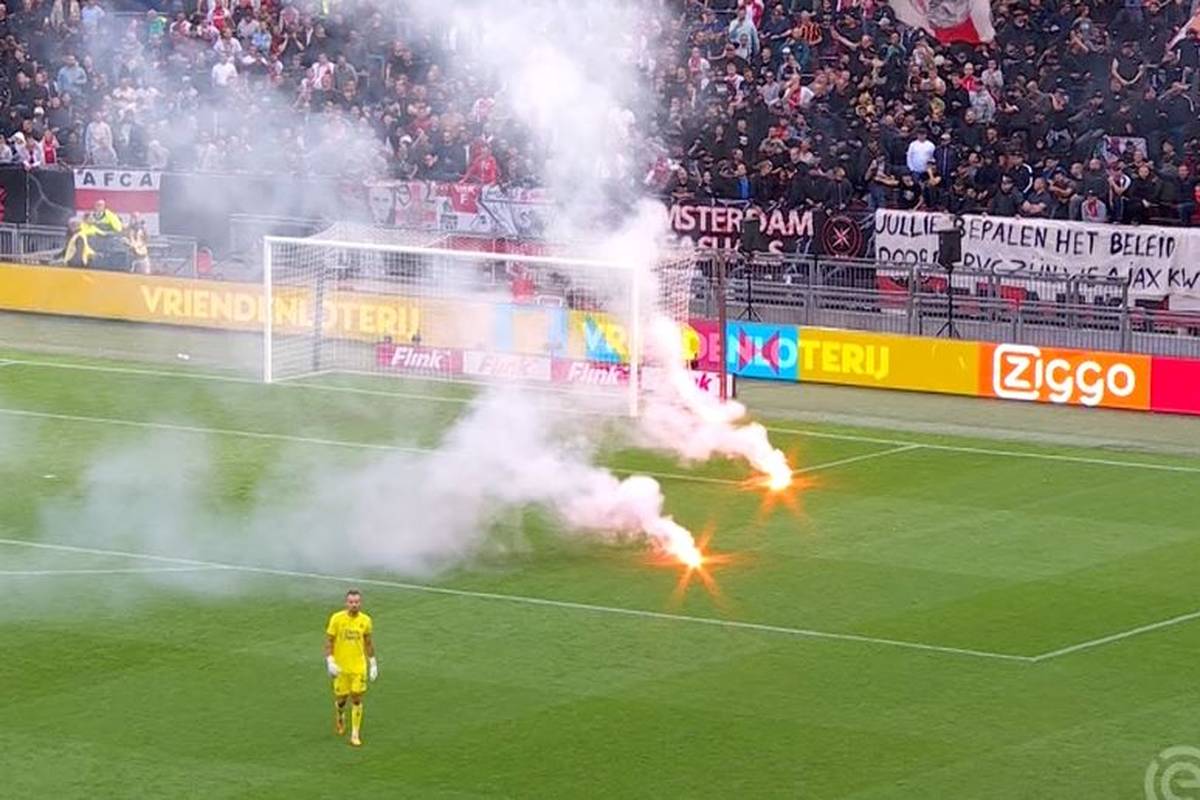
x: 224, y: 72
x: 227, y: 45
x: 920, y: 153
x: 33, y: 155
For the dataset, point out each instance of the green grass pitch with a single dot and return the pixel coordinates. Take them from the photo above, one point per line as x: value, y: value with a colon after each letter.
x: 933, y: 622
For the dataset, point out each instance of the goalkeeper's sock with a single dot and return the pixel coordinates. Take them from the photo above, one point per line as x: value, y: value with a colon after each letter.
x: 356, y: 711
x: 339, y: 717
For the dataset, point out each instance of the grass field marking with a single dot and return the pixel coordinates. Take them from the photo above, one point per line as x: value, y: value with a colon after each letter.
x: 861, y: 457
x: 288, y: 383
x: 433, y: 398
x: 22, y: 573
x: 168, y: 426
x: 987, y: 451
x: 1116, y: 637
x: 533, y: 601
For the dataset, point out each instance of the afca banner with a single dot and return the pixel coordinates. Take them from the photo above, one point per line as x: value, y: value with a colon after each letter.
x: 126, y: 191
x: 1159, y: 262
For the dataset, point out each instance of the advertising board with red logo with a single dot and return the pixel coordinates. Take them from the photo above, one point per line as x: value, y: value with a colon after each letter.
x: 414, y: 359
x: 449, y: 363
x: 507, y: 366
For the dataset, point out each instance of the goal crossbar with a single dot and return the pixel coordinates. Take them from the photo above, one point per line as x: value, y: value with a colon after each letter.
x: 480, y: 255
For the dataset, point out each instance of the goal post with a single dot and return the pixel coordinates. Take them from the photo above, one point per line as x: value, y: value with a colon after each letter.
x: 381, y: 301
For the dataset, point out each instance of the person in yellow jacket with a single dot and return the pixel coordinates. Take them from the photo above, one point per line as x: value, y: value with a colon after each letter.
x: 77, y: 252
x: 105, y: 220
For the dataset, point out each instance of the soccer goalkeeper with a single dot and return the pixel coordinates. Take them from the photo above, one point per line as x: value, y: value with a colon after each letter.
x: 350, y: 659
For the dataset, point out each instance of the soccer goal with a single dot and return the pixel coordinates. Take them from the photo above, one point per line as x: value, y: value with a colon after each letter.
x: 361, y: 299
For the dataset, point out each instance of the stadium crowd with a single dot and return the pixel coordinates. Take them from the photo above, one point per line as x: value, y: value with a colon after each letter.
x: 1079, y: 110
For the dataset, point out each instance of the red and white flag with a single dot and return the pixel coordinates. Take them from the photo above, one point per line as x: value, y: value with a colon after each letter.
x: 948, y: 20
x: 125, y: 191
x: 1189, y: 27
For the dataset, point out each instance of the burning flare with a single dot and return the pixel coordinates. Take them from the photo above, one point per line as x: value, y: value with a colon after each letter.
x: 680, y: 417
x: 778, y: 471
x: 634, y: 505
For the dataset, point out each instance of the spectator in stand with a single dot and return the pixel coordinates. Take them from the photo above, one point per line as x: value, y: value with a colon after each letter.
x: 743, y: 33
x: 1143, y: 192
x: 483, y: 167
x: 1177, y: 194
x: 920, y: 154
x: 1118, y: 188
x: 224, y: 73
x: 1092, y: 209
x: 1008, y: 201
x: 71, y: 77
x: 1039, y: 202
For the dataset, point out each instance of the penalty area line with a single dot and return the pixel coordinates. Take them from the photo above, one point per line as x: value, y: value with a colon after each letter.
x: 862, y: 457
x: 1117, y: 637
x: 803, y: 633
x: 284, y: 437
x: 30, y: 573
x: 987, y: 451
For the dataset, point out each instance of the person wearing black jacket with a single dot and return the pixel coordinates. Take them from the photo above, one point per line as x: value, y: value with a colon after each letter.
x: 1007, y: 201
x: 1177, y: 192
x: 1142, y: 194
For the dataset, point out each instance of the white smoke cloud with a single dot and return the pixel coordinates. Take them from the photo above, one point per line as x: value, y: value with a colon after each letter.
x: 572, y: 73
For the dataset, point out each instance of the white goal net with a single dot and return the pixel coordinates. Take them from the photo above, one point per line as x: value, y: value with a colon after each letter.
x: 362, y: 299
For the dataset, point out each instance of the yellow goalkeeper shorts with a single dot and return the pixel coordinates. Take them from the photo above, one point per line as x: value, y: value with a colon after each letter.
x: 349, y: 683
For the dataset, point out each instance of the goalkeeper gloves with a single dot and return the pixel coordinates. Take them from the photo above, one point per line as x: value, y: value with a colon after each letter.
x: 332, y: 666
x: 372, y: 669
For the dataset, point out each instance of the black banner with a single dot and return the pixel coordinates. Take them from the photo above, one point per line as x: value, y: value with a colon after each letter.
x: 51, y: 197
x: 201, y: 205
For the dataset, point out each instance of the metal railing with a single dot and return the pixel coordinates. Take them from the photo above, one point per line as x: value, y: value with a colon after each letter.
x: 38, y: 244
x: 1079, y: 311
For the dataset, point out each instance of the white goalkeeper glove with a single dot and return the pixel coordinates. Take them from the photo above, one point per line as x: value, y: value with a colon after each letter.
x: 372, y: 669
x: 332, y: 666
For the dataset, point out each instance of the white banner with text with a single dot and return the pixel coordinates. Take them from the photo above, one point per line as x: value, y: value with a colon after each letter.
x: 1158, y: 262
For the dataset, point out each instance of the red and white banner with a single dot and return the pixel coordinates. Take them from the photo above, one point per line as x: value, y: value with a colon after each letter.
x: 413, y: 359
x: 459, y: 208
x: 949, y: 20
x: 125, y: 191
x: 590, y: 373
x: 1189, y: 28
x: 448, y: 363
x: 507, y: 366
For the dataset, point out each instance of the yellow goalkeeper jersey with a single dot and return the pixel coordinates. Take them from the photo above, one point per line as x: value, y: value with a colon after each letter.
x: 348, y: 633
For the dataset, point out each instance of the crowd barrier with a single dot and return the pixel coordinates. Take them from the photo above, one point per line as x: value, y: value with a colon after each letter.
x: 1019, y: 372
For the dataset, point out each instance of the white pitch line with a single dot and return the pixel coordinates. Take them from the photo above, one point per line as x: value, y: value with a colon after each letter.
x: 168, y: 426
x: 1116, y: 637
x: 950, y: 448
x: 21, y: 573
x: 284, y: 437
x: 217, y: 378
x: 855, y: 459
x: 434, y: 398
x: 526, y: 600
